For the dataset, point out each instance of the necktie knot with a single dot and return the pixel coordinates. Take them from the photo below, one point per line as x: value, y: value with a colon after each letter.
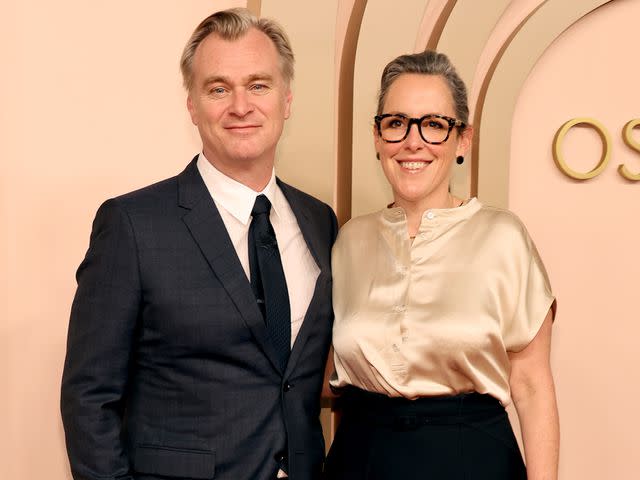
x: 262, y: 205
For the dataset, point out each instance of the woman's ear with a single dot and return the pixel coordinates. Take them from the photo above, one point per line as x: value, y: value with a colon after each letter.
x: 376, y: 142
x: 464, y: 142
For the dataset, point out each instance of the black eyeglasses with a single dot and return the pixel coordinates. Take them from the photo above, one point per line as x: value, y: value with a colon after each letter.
x: 433, y: 128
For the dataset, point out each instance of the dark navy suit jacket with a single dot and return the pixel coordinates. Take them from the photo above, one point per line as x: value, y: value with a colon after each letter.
x: 169, y: 370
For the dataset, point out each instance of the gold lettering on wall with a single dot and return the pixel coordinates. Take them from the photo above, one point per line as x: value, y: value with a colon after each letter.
x: 633, y: 145
x: 606, y: 148
x: 559, y: 157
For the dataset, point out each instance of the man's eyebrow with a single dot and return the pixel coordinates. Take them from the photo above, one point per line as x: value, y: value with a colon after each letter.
x: 215, y: 79
x: 259, y: 76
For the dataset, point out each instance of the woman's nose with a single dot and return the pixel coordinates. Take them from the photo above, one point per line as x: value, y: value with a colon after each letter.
x: 414, y: 140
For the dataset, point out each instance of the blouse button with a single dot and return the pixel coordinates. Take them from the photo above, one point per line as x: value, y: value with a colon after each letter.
x: 430, y: 215
x: 399, y: 308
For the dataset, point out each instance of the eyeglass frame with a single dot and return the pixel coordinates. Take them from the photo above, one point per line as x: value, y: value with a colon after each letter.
x: 453, y: 122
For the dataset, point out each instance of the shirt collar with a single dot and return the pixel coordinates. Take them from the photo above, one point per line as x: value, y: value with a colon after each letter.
x: 235, y: 197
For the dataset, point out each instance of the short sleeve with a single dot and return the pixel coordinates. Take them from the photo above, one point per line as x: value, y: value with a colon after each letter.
x: 533, y: 296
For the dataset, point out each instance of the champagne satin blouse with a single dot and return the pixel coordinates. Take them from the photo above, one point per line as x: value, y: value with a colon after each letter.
x: 436, y: 316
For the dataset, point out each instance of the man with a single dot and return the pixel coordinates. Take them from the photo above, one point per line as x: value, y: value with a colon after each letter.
x: 179, y: 363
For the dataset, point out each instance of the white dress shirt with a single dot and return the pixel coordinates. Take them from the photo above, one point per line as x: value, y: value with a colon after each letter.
x: 235, y: 202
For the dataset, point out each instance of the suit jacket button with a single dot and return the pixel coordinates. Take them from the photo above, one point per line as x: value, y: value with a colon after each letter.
x: 287, y: 387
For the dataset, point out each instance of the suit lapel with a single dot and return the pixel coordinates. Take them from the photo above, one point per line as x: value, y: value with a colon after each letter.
x: 314, y: 238
x: 207, y: 228
x: 316, y: 242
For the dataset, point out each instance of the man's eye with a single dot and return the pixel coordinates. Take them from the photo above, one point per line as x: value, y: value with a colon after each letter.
x: 435, y: 124
x: 218, y: 91
x: 396, y: 124
x: 259, y: 88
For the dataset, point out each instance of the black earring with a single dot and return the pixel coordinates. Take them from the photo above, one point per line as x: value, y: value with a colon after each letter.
x: 459, y: 159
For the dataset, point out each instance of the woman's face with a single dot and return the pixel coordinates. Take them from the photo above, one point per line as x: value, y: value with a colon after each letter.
x: 419, y: 172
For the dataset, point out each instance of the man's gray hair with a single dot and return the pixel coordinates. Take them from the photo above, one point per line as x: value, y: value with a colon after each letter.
x: 230, y: 25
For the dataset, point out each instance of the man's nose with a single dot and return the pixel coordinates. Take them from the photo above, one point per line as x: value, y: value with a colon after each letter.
x: 240, y: 103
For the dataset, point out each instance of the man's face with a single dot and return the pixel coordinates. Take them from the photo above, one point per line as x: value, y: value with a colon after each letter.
x: 239, y: 101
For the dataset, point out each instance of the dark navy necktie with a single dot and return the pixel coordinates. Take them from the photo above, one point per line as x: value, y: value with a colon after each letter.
x: 268, y: 280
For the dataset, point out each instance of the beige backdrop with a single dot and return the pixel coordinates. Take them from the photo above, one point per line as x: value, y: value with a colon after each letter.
x: 588, y: 233
x: 91, y: 106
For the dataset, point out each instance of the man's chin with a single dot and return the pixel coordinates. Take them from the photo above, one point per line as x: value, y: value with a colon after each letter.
x: 242, y: 158
x: 248, y: 158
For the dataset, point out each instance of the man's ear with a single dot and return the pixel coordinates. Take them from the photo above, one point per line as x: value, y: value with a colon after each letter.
x: 287, y: 103
x: 192, y: 110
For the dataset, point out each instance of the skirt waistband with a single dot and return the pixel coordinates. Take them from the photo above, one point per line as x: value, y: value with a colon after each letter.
x: 400, y: 412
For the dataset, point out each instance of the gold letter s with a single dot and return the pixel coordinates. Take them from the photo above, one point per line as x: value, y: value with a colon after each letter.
x: 633, y: 145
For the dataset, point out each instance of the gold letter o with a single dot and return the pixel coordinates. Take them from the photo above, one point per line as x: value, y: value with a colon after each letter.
x: 606, y: 150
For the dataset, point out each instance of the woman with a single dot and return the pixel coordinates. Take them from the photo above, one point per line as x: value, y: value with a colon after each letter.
x: 443, y: 309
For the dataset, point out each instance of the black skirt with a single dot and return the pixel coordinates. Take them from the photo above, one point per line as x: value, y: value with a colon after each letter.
x: 464, y: 437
